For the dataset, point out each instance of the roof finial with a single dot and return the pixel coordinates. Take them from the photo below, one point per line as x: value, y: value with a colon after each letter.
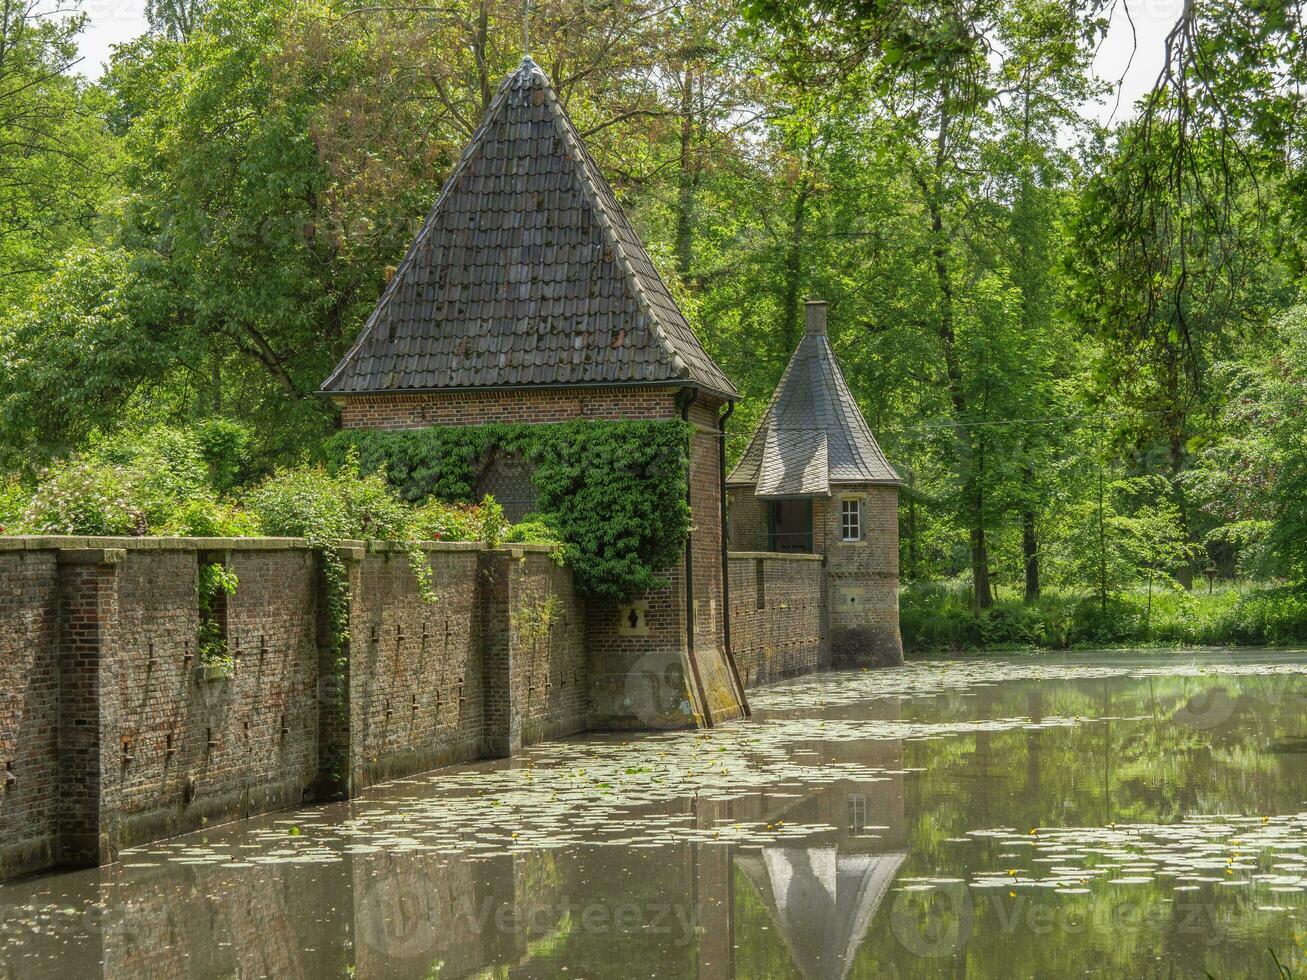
x: 526, y: 30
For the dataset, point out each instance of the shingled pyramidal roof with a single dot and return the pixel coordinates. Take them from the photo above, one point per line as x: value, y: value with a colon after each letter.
x: 526, y: 273
x: 813, y: 434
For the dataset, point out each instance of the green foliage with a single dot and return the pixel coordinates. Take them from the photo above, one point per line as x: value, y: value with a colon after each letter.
x: 325, y: 507
x: 210, y: 519
x: 437, y: 520
x: 83, y: 496
x: 157, y: 481
x: 615, y: 491
x: 57, y: 165
x: 938, y: 618
x: 73, y: 357
x: 225, y: 446
x: 215, y: 582
x: 1272, y: 616
x: 534, y: 529
x: 13, y: 499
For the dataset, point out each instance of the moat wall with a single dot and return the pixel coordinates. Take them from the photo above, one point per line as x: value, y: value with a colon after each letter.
x: 113, y: 733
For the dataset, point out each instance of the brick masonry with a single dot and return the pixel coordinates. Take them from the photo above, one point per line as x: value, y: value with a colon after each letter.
x: 113, y: 735
x: 668, y: 674
x: 29, y: 708
x: 862, y: 577
x: 778, y: 616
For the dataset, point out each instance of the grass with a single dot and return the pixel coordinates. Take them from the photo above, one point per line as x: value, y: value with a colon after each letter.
x: 937, y: 617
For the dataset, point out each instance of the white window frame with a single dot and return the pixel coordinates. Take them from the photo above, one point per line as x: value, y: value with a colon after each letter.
x: 858, y: 522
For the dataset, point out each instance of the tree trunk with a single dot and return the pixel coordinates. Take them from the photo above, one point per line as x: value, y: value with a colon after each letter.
x: 982, y: 593
x: 1185, y: 573
x: 973, y: 490
x: 686, y: 181
x: 912, y: 539
x: 791, y: 315
x: 1030, y: 553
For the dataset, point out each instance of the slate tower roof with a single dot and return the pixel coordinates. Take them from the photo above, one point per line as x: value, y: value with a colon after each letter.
x: 526, y: 273
x: 812, y: 435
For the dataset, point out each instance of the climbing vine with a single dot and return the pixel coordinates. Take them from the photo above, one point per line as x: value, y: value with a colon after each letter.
x: 215, y: 582
x: 614, y: 490
x: 535, y: 619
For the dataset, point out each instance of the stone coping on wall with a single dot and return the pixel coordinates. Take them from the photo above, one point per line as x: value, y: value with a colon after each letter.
x: 60, y: 542
x: 772, y: 556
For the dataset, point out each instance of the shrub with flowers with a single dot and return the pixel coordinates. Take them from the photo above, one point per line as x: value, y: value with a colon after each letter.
x: 438, y: 520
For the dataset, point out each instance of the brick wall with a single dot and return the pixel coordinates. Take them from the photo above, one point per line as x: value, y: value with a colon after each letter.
x: 716, y: 682
x: 29, y: 709
x: 863, y: 579
x: 417, y: 411
x: 547, y: 640
x: 415, y: 667
x: 113, y: 735
x: 746, y: 519
x: 778, y: 616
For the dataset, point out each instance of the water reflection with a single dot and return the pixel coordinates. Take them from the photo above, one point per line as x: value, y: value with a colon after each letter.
x: 1017, y: 825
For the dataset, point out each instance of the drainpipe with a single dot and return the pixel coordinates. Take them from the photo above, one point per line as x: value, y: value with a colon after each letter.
x: 726, y: 568
x: 687, y: 398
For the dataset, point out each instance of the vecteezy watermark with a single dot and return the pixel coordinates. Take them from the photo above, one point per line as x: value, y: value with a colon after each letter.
x: 934, y: 922
x: 655, y: 687
x: 407, y: 918
x: 1207, y: 709
x: 939, y: 921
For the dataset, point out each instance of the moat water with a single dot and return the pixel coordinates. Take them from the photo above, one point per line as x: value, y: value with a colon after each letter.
x: 1101, y: 815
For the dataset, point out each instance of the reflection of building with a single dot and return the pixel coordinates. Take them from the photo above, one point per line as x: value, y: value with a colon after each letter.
x: 675, y: 911
x: 823, y: 901
x: 823, y: 893
x: 813, y: 480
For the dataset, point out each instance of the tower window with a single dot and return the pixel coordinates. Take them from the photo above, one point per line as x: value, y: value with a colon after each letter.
x: 851, y: 519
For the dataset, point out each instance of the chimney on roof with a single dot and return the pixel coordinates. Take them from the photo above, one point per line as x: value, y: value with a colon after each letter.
x: 816, y: 314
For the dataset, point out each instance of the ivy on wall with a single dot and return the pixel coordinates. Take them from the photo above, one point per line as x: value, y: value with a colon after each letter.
x: 615, y: 490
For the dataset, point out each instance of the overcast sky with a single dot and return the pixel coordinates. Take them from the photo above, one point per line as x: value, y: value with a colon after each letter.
x: 115, y: 21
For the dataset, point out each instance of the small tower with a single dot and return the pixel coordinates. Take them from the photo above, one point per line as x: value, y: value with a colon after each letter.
x: 528, y: 297
x: 813, y: 480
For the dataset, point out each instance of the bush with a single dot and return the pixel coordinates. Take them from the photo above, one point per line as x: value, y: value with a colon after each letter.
x: 312, y: 502
x: 937, y: 617
x: 163, y: 468
x: 1268, y: 617
x: 13, y: 501
x: 83, y: 497
x: 210, y: 519
x: 615, y: 491
x: 160, y: 481
x: 437, y: 520
x: 534, y: 529
x: 225, y: 447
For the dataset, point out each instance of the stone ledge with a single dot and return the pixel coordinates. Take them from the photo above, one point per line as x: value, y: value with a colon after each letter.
x: 62, y: 542
x: 771, y: 556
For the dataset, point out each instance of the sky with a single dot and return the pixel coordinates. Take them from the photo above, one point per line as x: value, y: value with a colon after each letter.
x: 115, y: 21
